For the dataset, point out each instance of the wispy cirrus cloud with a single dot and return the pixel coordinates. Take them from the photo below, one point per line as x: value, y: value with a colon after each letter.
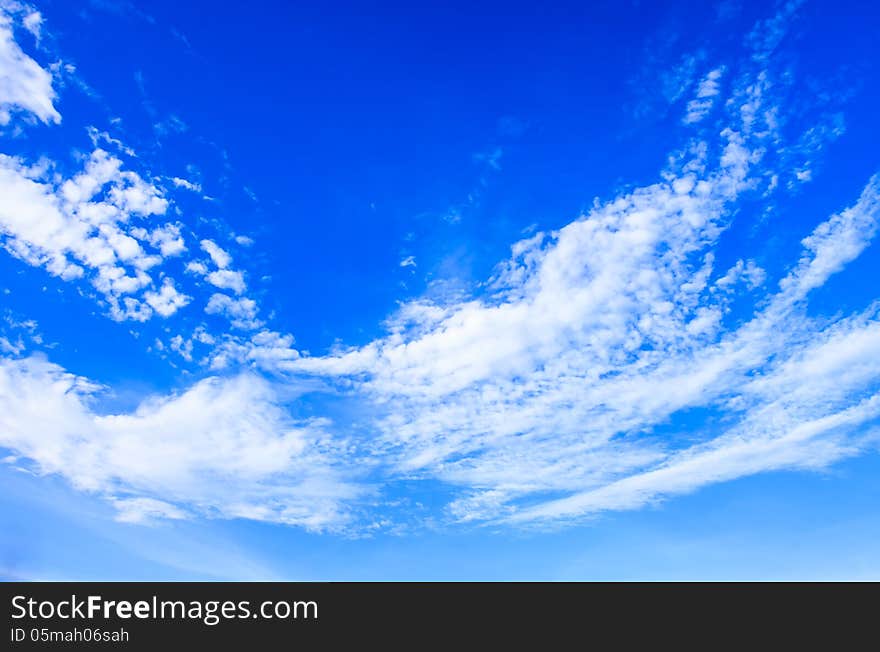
x: 569, y: 387
x: 86, y: 226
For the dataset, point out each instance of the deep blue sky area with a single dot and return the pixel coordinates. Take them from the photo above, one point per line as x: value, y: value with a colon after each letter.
x: 335, y: 354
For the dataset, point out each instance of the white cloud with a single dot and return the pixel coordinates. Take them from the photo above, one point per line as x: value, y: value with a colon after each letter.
x: 24, y: 85
x: 186, y: 184
x: 748, y: 271
x: 241, y: 311
x: 227, y: 279
x: 183, y: 347
x: 217, y: 254
x: 767, y: 35
x: 33, y: 22
x: 835, y: 242
x: 819, y: 405
x: 168, y: 239
x: 265, y: 349
x: 602, y: 333
x: 196, y: 267
x: 223, y: 448
x: 699, y: 107
x: 97, y: 137
x: 167, y: 300
x: 558, y: 389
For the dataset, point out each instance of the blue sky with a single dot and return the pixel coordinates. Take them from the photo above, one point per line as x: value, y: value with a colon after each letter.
x: 439, y: 292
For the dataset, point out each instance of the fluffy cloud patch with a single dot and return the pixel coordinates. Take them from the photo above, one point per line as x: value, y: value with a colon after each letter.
x: 25, y: 86
x: 241, y: 312
x: 89, y: 225
x: 224, y: 447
